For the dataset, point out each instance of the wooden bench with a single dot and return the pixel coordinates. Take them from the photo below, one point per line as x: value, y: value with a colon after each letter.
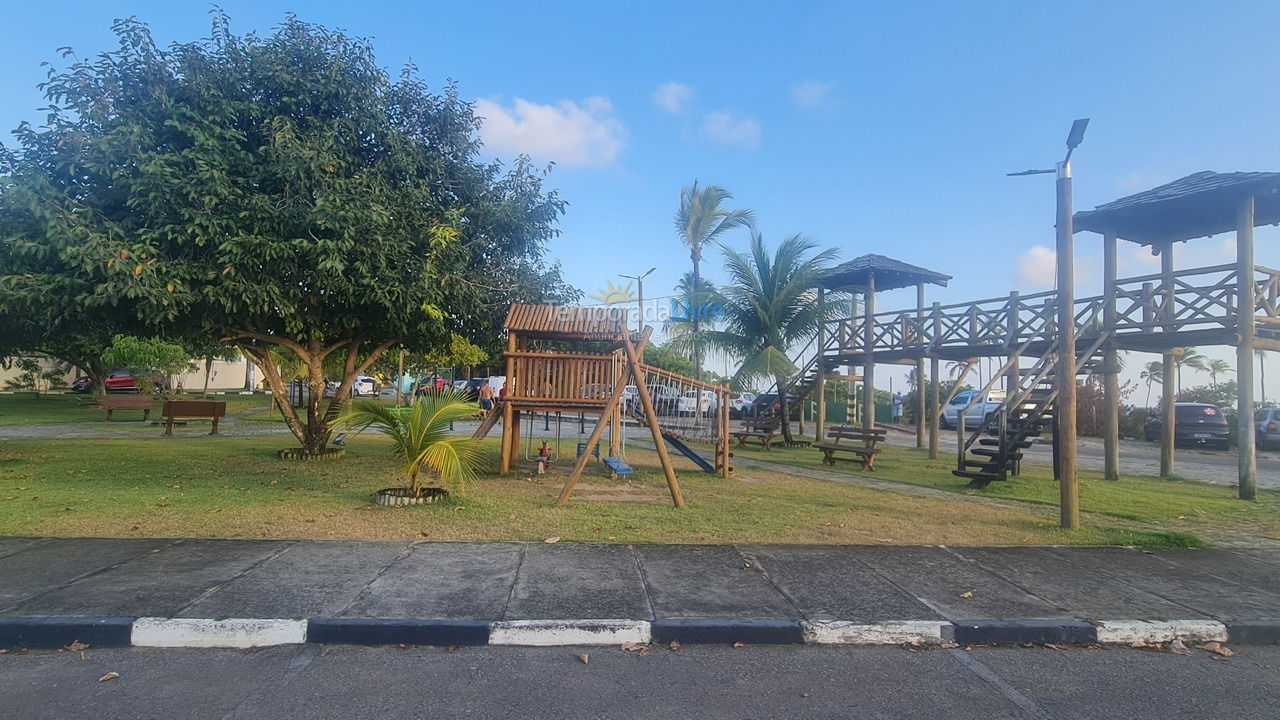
x: 866, y: 452
x: 758, y: 430
x: 174, y: 409
x: 111, y: 403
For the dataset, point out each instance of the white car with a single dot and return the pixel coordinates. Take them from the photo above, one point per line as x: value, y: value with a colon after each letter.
x: 697, y: 402
x: 364, y: 385
x: 740, y: 402
x: 975, y: 415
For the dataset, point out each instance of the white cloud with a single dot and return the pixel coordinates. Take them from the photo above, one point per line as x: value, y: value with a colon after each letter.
x: 1037, y: 268
x: 726, y: 129
x: 566, y: 132
x: 811, y: 93
x: 672, y: 97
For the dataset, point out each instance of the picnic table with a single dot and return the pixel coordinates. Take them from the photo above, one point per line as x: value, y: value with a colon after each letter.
x: 761, y: 430
x: 865, y: 452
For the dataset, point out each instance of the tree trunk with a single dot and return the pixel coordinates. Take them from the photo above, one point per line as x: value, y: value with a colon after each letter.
x: 208, y: 369
x: 694, y: 310
x: 785, y: 409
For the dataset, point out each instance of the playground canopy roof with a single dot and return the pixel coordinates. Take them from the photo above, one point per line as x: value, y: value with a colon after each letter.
x: 1198, y: 205
x: 567, y: 323
x: 890, y: 274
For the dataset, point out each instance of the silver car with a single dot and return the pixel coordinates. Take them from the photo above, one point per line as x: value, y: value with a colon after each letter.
x: 1267, y: 422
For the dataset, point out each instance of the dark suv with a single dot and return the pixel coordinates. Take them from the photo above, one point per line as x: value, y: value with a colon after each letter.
x: 1267, y: 421
x: 1193, y: 424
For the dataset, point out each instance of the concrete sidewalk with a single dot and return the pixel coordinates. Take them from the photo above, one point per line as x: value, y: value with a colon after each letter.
x: 253, y: 592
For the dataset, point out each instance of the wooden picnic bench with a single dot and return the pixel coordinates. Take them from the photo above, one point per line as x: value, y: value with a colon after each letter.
x: 174, y: 409
x: 111, y: 403
x: 760, y: 430
x: 866, y: 452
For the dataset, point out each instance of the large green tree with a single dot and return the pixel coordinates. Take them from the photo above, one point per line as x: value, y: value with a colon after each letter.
x: 770, y: 306
x: 280, y: 192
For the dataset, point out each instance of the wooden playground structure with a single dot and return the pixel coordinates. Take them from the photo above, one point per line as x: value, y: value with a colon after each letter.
x: 1049, y: 340
x: 575, y: 360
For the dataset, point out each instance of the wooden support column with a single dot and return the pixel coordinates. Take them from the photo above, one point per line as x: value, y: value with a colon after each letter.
x: 1012, y: 376
x: 1169, y: 386
x: 820, y: 385
x: 920, y: 384
x: 1245, y: 322
x: 869, y: 363
x: 935, y: 385
x: 512, y: 388
x: 1111, y: 363
x: 1065, y: 412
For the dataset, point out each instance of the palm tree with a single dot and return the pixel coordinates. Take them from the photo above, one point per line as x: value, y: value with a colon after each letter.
x: 700, y: 221
x: 1152, y: 372
x: 689, y: 342
x: 420, y: 436
x: 1216, y: 367
x: 1190, y: 358
x: 769, y: 306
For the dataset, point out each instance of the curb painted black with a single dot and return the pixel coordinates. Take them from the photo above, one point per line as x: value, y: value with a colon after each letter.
x: 362, y: 631
x: 56, y: 632
x: 1253, y: 632
x: 757, y: 632
x: 1018, y: 632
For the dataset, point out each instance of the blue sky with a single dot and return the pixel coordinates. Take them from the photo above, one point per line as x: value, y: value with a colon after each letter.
x: 871, y: 127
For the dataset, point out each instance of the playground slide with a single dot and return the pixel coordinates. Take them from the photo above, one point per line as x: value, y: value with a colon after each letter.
x: 688, y: 452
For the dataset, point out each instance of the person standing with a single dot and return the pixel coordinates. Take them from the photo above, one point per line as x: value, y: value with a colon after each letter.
x: 897, y: 407
x: 486, y: 397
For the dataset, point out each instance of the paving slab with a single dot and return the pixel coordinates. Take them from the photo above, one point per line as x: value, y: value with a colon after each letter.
x: 315, y: 579
x: 1073, y: 589
x: 1258, y: 569
x: 11, y: 545
x: 709, y: 581
x: 953, y: 586
x: 831, y: 583
x: 443, y: 581
x: 160, y: 584
x: 45, y: 566
x: 559, y: 582
x: 1206, y: 595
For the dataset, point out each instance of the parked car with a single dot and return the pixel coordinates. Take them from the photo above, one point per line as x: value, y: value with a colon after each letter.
x: 1193, y: 424
x: 362, y: 386
x: 740, y: 403
x: 767, y: 405
x: 122, y: 381
x: 1267, y: 421
x: 81, y: 384
x: 983, y: 406
x: 697, y: 402
x: 666, y: 399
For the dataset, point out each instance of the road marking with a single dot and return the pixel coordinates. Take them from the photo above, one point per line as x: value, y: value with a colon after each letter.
x: 1029, y: 706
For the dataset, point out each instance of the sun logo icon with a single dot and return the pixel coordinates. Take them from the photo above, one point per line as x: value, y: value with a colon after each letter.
x: 612, y: 295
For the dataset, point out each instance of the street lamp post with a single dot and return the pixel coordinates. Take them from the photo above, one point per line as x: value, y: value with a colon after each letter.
x: 639, y: 296
x: 1064, y: 419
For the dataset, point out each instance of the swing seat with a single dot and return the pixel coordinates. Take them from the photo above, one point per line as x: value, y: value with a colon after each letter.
x: 618, y: 466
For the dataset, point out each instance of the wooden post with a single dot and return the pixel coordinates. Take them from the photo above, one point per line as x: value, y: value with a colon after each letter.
x: 1012, y: 376
x: 400, y: 379
x: 1110, y: 363
x: 507, y: 412
x: 647, y: 402
x: 820, y: 386
x: 1065, y: 412
x: 1169, y: 388
x: 935, y: 386
x: 920, y: 386
x: 1245, y: 322
x: 869, y: 363
x: 724, y: 434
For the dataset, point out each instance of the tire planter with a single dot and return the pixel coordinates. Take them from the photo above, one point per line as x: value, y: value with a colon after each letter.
x: 300, y: 454
x: 401, y: 497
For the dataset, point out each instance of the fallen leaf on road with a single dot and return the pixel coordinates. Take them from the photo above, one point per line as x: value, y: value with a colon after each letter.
x: 641, y: 648
x: 966, y: 594
x: 948, y: 646
x: 675, y: 645
x: 739, y: 644
x: 1051, y: 646
x: 1138, y: 644
x: 585, y: 658
x: 552, y: 540
x: 1217, y: 649
x: 1179, y: 647
x: 77, y: 646
x: 109, y: 677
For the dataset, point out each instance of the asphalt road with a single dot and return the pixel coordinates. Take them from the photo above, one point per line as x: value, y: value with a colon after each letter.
x: 348, y: 683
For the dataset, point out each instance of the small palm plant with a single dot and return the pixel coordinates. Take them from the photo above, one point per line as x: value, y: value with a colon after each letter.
x: 420, y: 437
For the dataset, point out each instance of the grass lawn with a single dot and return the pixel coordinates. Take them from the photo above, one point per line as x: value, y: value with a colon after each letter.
x: 1174, y: 503
x: 29, y: 409
x: 236, y: 487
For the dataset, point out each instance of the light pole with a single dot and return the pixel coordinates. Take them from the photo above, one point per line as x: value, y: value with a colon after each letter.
x: 1064, y: 417
x: 639, y: 296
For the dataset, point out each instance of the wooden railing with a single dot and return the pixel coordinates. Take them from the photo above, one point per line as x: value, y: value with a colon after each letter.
x: 577, y: 378
x: 1197, y: 299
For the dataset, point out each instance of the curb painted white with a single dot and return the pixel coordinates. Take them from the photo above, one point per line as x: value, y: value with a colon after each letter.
x: 1131, y: 631
x: 842, y: 632
x: 229, y: 633
x: 568, y: 632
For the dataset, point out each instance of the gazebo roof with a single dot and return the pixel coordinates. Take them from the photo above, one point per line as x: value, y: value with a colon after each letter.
x: 1198, y: 205
x: 890, y: 274
x: 567, y: 323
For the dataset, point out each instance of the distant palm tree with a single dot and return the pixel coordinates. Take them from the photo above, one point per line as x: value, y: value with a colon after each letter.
x: 1216, y: 367
x: 420, y: 436
x: 769, y: 306
x: 1189, y: 358
x: 700, y: 221
x: 1152, y: 372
